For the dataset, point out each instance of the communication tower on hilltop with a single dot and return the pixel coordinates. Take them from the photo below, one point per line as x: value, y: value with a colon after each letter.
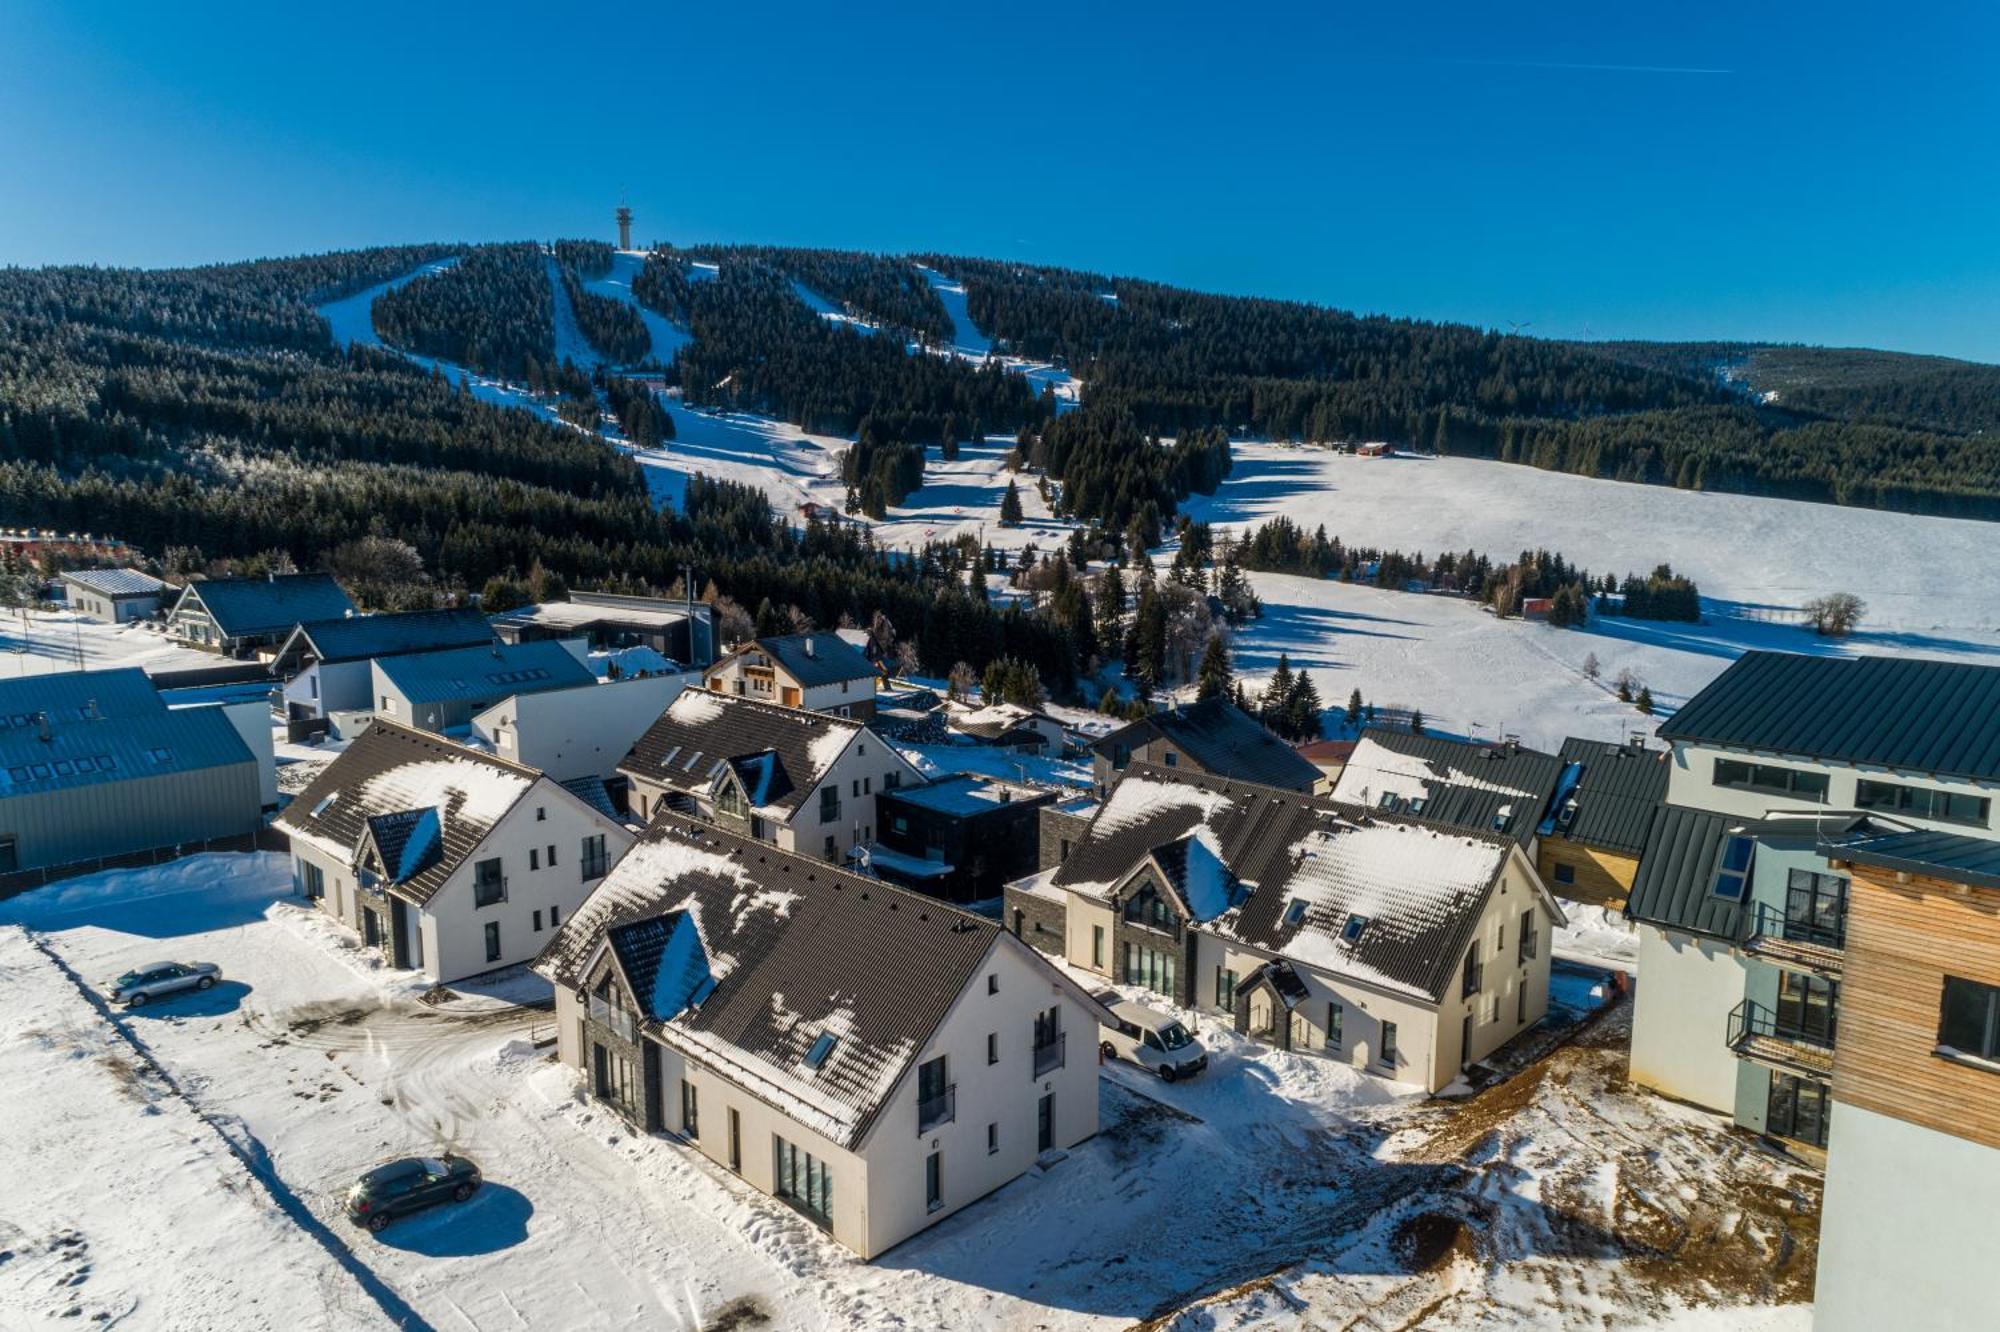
x: 624, y: 227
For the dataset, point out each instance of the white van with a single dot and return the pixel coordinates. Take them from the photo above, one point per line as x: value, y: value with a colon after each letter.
x: 1149, y: 1038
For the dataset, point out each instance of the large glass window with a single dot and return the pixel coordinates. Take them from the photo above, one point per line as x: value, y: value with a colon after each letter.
x: 489, y: 885
x: 1770, y: 779
x: 1225, y: 988
x: 1816, y: 908
x: 1148, y: 908
x: 803, y: 1182
x: 1154, y: 968
x: 593, y: 860
x: 1798, y: 1109
x: 1389, y: 1044
x: 1923, y: 803
x: 1334, y: 1016
x: 1970, y: 1023
x: 1808, y: 1008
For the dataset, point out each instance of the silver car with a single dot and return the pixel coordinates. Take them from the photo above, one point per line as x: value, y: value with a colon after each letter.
x: 157, y: 980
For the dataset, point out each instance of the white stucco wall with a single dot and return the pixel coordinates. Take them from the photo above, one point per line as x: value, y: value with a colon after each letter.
x: 582, y: 732
x: 1691, y: 783
x: 1004, y: 1094
x: 455, y: 929
x: 1906, y: 1228
x: 1680, y: 1017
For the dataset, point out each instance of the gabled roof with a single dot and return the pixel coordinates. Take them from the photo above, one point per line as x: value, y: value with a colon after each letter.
x: 1618, y: 790
x: 796, y: 949
x: 1677, y: 873
x: 786, y: 751
x: 116, y: 582
x: 1939, y: 717
x: 358, y: 637
x: 813, y: 659
x: 1285, y: 872
x: 1461, y: 784
x: 383, y: 782
x: 1223, y: 740
x: 242, y: 607
x: 485, y: 672
x: 998, y: 720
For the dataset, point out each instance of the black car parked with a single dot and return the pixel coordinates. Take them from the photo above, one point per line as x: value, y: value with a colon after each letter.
x: 410, y: 1185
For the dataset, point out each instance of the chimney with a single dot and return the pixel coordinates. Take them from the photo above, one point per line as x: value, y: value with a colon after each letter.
x: 809, y: 646
x: 42, y: 723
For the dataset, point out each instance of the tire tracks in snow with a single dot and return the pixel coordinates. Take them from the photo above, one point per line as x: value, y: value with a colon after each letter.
x: 246, y: 1148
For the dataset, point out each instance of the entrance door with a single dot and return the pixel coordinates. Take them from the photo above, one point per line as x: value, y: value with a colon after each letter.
x: 1260, y: 1013
x: 1045, y: 1122
x: 371, y: 930
x: 600, y: 1069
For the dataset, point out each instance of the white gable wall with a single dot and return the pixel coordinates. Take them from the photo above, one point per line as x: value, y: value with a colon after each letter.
x: 572, y: 733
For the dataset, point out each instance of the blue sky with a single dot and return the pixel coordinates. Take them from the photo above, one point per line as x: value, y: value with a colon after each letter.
x: 1820, y: 173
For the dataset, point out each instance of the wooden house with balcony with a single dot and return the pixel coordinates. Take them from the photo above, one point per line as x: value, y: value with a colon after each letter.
x: 1743, y: 897
x: 821, y: 672
x: 870, y: 1058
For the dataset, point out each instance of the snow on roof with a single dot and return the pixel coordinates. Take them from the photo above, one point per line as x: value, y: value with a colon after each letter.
x: 1137, y: 799
x: 1206, y: 882
x: 695, y: 706
x: 964, y: 794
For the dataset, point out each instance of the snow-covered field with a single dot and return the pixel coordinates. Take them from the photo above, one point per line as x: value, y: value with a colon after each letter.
x: 315, y: 1062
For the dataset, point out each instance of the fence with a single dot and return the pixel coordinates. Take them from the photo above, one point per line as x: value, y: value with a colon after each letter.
x: 21, y: 881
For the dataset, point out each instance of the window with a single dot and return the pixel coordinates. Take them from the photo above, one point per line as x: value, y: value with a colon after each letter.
x: 992, y: 1047
x: 541, y: 813
x: 1499, y: 938
x: 1798, y: 1109
x: 311, y: 875
x: 553, y: 922
x: 992, y: 1139
x: 538, y: 921
x: 804, y: 1182
x: 489, y: 885
x: 1389, y: 801
x: 492, y: 941
x: 933, y: 1181
x: 1153, y: 968
x: 993, y: 982
x: 534, y: 859
x: 1771, y: 779
x: 1970, y: 1019
x: 1295, y: 911
x: 857, y: 788
x: 1475, y: 970
x: 1225, y: 988
x: 735, y: 1140
x: 1389, y: 1044
x: 1097, y: 946
x: 1565, y: 873
x: 591, y: 857
x: 1816, y: 908
x: 821, y: 1048
x: 891, y: 780
x: 1503, y: 818
x: 1171, y: 759
x: 550, y: 855
x: 934, y: 1096
x: 1923, y: 803
x: 1335, y: 1015
x: 829, y: 803
x: 690, y: 1111
x: 1351, y: 931
x: 1149, y: 909
x: 832, y: 848
x: 1530, y: 942
x: 730, y: 800
x: 1520, y: 1005
x: 1732, y: 871
x: 1808, y: 1008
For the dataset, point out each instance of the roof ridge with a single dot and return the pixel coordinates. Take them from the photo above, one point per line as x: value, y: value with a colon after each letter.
x: 453, y: 747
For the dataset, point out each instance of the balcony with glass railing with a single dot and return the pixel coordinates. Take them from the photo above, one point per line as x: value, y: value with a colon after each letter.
x: 1049, y: 1054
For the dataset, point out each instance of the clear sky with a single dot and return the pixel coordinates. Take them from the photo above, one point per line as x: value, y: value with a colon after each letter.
x: 1821, y: 172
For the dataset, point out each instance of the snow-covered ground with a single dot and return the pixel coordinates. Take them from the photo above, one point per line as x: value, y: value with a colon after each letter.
x: 316, y: 1062
x: 44, y: 641
x: 1755, y: 560
x: 968, y: 341
x: 668, y: 337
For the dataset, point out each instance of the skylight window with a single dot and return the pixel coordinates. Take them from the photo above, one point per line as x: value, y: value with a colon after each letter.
x: 1417, y: 804
x: 821, y: 1048
x: 1732, y: 871
x: 1503, y: 817
x: 1352, y: 930
x: 1389, y: 801
x: 1295, y: 911
x: 325, y: 804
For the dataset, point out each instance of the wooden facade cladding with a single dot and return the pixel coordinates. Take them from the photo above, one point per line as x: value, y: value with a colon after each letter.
x: 1602, y: 878
x: 1903, y: 939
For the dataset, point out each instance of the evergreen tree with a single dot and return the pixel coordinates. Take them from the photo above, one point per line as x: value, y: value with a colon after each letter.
x: 1010, y: 506
x: 1645, y: 700
x: 1277, y: 695
x: 1215, y: 675
x: 1302, y: 709
x: 1416, y: 721
x: 1354, y: 708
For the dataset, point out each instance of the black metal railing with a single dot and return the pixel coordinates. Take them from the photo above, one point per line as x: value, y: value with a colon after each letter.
x: 1769, y: 921
x: 937, y: 1109
x: 1049, y: 1054
x: 1751, y: 1019
x: 1530, y: 945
